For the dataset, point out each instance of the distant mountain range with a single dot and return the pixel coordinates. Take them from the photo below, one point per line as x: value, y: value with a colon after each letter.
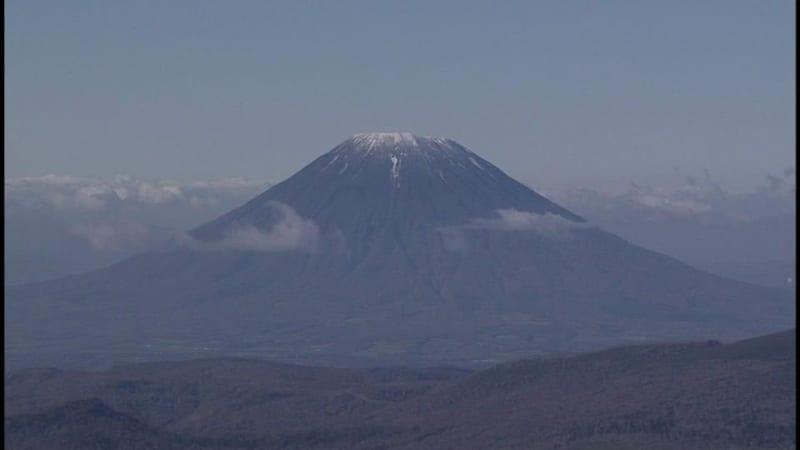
x: 390, y: 248
x: 700, y: 395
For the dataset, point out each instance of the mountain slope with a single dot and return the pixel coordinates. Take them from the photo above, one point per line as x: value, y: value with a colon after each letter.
x: 390, y: 248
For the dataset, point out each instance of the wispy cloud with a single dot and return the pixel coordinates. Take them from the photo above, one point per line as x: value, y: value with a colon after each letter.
x: 65, y: 193
x: 115, y: 237
x: 553, y: 226
x: 698, y: 199
x: 548, y: 224
x: 290, y: 232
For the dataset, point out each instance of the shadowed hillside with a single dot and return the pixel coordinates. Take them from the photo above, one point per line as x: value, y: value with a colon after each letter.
x: 703, y: 395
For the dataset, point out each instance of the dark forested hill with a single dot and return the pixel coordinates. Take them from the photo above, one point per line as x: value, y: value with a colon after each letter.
x: 701, y: 395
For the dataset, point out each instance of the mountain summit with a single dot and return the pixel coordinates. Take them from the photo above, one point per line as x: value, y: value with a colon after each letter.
x: 390, y: 248
x: 391, y: 180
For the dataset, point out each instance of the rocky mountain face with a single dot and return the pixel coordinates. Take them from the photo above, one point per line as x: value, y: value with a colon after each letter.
x: 389, y: 249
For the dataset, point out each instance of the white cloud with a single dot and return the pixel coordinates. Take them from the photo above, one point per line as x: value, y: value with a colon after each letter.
x: 91, y: 197
x: 121, y: 193
x: 226, y: 184
x: 698, y: 199
x: 110, y: 237
x: 158, y: 193
x: 65, y: 193
x: 456, y: 238
x: 551, y: 225
x: 51, y: 179
x: 290, y: 233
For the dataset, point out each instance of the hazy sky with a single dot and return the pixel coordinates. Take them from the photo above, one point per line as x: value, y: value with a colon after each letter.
x: 550, y: 91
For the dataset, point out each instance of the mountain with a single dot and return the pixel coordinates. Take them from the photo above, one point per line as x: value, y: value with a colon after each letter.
x: 82, y: 424
x: 389, y: 249
x: 699, y: 395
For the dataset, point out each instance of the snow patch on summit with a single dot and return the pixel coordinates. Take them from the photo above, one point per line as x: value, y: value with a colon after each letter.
x: 370, y: 141
x: 394, y: 143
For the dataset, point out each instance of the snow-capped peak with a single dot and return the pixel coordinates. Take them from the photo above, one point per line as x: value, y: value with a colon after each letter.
x: 399, y: 151
x: 370, y: 141
x: 396, y: 148
x: 383, y: 141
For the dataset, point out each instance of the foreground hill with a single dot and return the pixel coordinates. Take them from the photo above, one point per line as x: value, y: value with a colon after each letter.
x: 702, y: 395
x: 389, y: 249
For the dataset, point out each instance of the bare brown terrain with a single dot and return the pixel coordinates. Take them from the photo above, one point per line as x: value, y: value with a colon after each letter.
x: 702, y: 395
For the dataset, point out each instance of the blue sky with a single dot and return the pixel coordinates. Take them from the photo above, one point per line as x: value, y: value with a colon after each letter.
x: 550, y: 91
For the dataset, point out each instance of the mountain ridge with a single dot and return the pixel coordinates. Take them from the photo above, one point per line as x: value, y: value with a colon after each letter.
x: 703, y: 395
